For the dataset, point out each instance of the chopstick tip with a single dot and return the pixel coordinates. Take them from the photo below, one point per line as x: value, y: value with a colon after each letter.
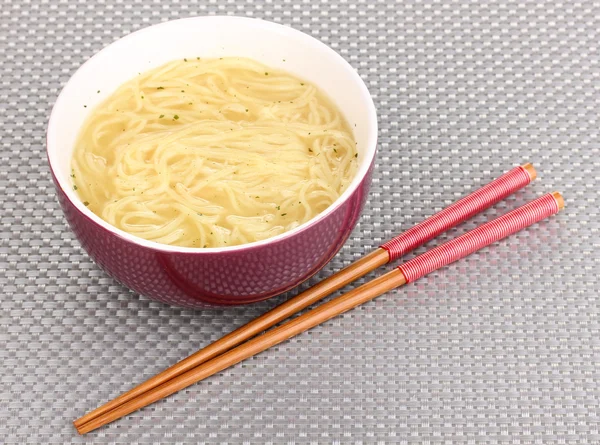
x: 559, y: 200
x: 80, y: 426
x: 530, y: 169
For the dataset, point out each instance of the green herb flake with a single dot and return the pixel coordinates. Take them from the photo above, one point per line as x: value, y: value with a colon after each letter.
x: 266, y: 74
x: 183, y: 91
x: 197, y: 58
x: 199, y: 214
x: 283, y: 214
x: 98, y: 92
x: 142, y: 97
x: 278, y: 207
x: 160, y: 88
x: 301, y: 83
x: 85, y: 106
x: 185, y: 60
x: 176, y: 117
x: 85, y: 203
x: 74, y: 187
x: 161, y: 116
x: 335, y: 150
x: 310, y: 149
x: 356, y: 155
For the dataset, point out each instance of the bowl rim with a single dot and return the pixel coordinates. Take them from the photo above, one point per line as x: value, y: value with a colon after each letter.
x: 361, y: 174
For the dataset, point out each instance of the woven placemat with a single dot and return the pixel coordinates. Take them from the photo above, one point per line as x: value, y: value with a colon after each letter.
x: 502, y: 347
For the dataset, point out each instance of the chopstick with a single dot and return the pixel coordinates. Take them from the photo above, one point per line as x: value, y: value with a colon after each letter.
x: 410, y: 271
x: 442, y: 221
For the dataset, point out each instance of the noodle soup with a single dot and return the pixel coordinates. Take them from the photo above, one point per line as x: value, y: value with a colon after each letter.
x: 213, y: 153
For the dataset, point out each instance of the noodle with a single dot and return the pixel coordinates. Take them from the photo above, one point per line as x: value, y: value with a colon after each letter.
x: 210, y: 153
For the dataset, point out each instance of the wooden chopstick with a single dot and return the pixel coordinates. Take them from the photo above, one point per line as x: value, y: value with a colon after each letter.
x: 451, y: 216
x: 410, y: 271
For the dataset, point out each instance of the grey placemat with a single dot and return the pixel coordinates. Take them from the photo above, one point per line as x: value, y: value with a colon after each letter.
x: 501, y: 348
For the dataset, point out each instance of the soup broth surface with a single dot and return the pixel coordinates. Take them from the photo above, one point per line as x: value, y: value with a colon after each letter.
x: 212, y: 153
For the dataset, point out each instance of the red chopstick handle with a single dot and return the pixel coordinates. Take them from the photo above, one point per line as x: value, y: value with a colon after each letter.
x: 470, y: 205
x: 482, y: 236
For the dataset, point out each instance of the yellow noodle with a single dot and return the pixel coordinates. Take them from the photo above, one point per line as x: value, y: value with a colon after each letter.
x: 213, y: 152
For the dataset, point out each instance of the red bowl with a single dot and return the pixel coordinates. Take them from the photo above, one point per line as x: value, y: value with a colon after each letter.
x: 214, y: 276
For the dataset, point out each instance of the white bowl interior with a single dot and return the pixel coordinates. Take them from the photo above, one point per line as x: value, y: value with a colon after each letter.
x: 274, y: 45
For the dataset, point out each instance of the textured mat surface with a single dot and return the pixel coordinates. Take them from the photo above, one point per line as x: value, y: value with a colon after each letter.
x: 500, y: 348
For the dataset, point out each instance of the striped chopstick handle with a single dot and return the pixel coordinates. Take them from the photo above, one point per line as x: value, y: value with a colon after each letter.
x: 482, y: 236
x: 456, y: 213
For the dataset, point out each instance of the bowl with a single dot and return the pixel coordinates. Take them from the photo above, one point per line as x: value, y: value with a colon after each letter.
x: 234, y: 275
